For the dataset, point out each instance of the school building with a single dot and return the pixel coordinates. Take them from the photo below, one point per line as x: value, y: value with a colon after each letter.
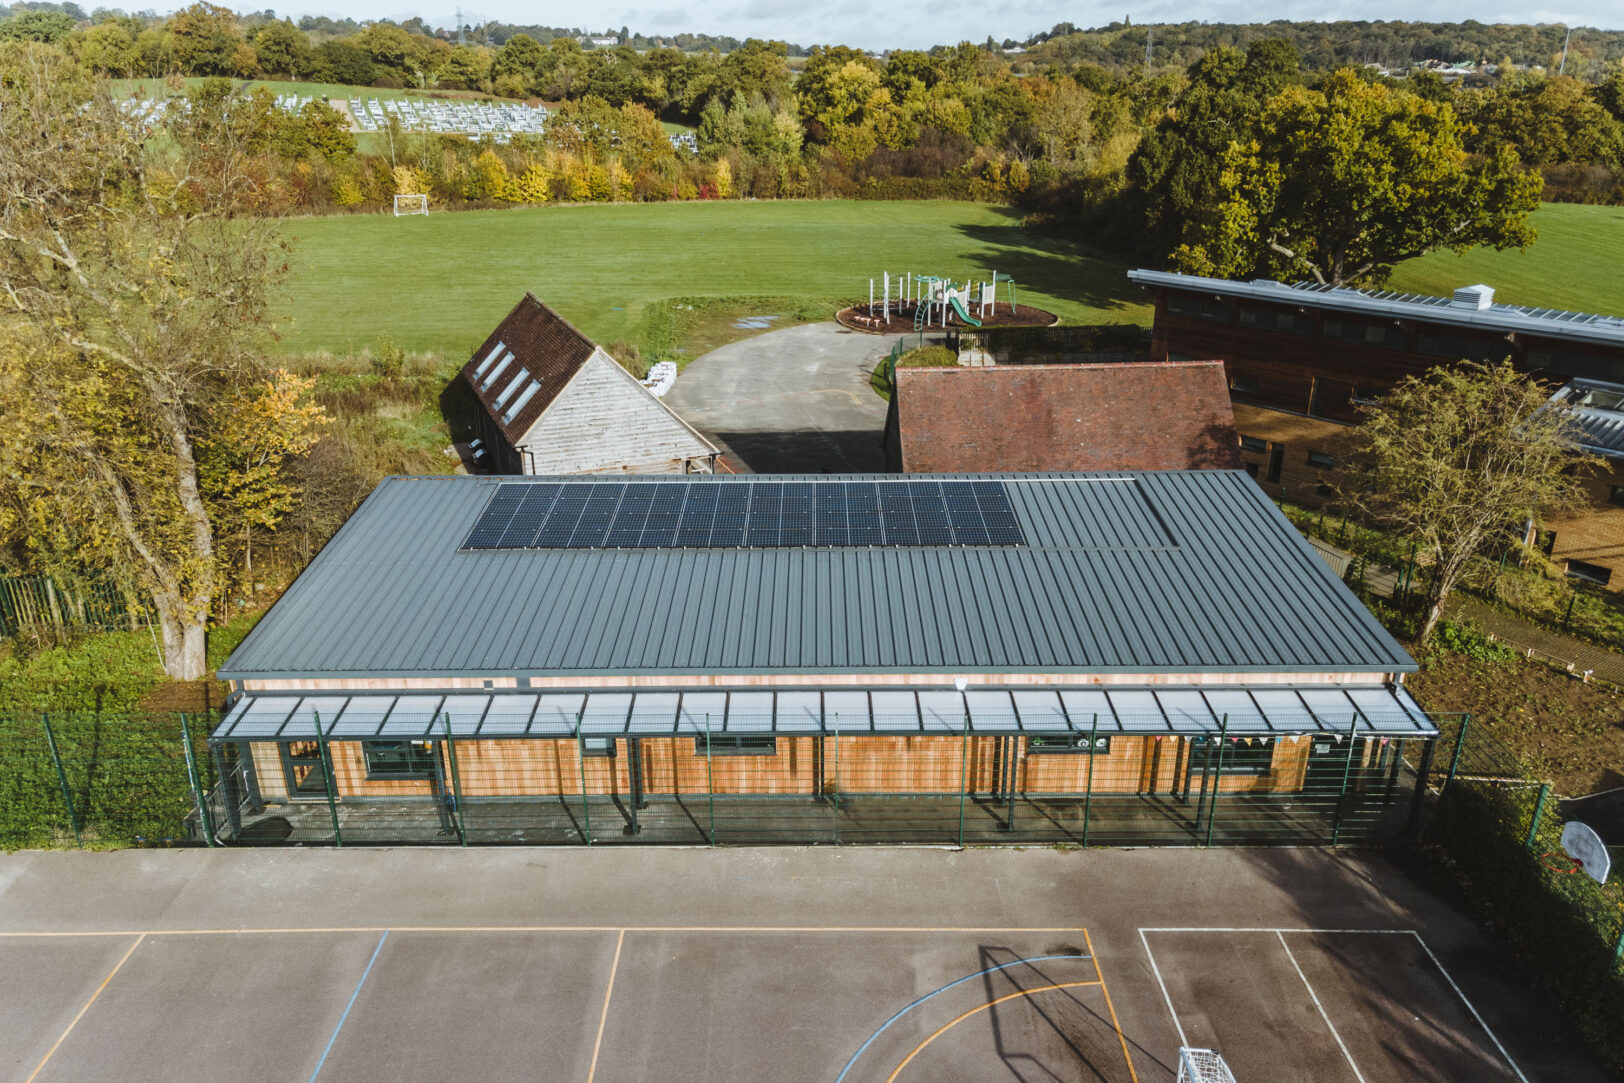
x: 1152, y: 657
x: 1301, y: 358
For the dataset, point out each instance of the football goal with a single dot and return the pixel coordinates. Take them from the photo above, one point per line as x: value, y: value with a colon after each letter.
x: 1202, y: 1066
x: 413, y: 204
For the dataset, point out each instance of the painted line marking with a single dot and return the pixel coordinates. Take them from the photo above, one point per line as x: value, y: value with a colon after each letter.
x: 40, y: 1067
x: 1280, y: 932
x: 1121, y: 1037
x: 976, y: 1011
x: 1340, y: 1044
x: 956, y: 982
x: 568, y: 929
x: 347, y: 1007
x: 1470, y: 1007
x: 603, y: 1018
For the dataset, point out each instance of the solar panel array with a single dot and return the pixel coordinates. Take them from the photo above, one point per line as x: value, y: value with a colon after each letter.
x: 756, y: 515
x: 1555, y: 314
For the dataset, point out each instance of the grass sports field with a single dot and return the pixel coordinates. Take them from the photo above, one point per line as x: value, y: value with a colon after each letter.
x: 441, y: 282
x: 1573, y: 264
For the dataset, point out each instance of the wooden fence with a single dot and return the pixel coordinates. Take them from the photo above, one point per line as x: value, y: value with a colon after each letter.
x: 35, y: 603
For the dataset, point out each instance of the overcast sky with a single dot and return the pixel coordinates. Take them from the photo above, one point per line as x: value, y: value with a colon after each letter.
x: 881, y: 25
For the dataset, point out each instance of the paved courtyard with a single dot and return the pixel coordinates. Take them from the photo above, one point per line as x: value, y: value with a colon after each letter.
x: 834, y: 965
x: 790, y: 401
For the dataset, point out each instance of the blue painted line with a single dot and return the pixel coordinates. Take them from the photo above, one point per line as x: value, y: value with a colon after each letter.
x: 968, y: 977
x: 347, y: 1007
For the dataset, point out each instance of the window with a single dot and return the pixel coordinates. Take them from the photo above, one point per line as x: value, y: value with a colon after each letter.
x: 1457, y: 347
x: 1585, y: 365
x: 1200, y: 308
x: 1593, y: 573
x: 1255, y: 444
x: 1323, y: 490
x: 1277, y: 319
x: 1333, y: 400
x: 1067, y: 743
x: 1242, y: 384
x: 1277, y: 459
x: 1241, y: 755
x: 1251, y: 469
x: 1615, y: 495
x: 399, y: 759
x: 1322, y: 460
x: 729, y: 744
x: 597, y: 746
x: 1366, y: 333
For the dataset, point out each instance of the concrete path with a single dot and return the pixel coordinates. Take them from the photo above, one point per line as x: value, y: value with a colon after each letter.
x: 790, y: 401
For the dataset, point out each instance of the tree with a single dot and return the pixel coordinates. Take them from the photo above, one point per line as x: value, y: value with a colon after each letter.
x: 108, y: 48
x: 1341, y: 183
x: 134, y: 277
x: 44, y: 26
x: 283, y: 49
x: 203, y: 39
x: 1458, y: 459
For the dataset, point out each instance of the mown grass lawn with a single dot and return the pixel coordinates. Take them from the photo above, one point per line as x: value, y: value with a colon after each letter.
x: 1574, y: 264
x: 441, y: 282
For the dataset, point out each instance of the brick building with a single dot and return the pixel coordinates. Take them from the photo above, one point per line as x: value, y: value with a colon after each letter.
x: 1300, y: 359
x: 1172, y: 415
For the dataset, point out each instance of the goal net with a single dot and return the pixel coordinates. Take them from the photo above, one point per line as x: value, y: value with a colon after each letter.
x: 415, y: 204
x: 1203, y: 1066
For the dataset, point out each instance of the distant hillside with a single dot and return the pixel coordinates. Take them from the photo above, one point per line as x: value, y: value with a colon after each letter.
x: 1330, y: 45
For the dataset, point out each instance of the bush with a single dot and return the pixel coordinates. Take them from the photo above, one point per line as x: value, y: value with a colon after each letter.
x: 928, y: 357
x: 1466, y: 638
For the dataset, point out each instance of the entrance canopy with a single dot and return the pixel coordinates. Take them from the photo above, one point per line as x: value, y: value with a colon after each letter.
x: 1240, y: 711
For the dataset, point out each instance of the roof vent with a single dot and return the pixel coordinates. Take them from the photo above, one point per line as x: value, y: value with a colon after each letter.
x: 1478, y: 297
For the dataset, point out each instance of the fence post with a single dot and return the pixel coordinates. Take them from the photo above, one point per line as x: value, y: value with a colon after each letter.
x: 964, y: 771
x: 456, y: 783
x: 62, y: 780
x: 1347, y: 772
x: 1217, y: 779
x: 1454, y: 759
x: 1088, y: 789
x: 1419, y: 798
x: 580, y: 758
x: 204, y: 820
x: 327, y: 778
x: 1539, y: 811
x: 837, y: 779
x: 710, y: 780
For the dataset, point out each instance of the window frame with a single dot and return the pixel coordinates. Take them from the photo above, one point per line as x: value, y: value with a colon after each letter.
x: 1615, y: 495
x: 1587, y: 572
x: 1071, y: 743
x: 1224, y: 765
x: 736, y: 744
x: 418, y: 760
x: 1322, y: 460
x: 1256, y: 445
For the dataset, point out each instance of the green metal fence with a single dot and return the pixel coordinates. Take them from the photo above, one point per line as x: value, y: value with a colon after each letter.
x: 1502, y: 830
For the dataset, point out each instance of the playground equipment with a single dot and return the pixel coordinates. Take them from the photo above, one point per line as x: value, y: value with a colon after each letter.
x: 929, y: 298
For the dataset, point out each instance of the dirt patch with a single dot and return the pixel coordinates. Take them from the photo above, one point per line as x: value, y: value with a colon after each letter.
x: 196, y: 697
x: 876, y: 320
x: 1560, y: 727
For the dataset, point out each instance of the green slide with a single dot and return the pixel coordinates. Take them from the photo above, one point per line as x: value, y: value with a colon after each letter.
x: 958, y: 310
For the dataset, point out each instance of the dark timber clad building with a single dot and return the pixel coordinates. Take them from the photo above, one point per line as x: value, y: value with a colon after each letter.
x: 1300, y: 359
x: 720, y: 658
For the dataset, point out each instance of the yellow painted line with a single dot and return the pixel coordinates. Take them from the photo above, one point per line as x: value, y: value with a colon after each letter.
x: 562, y: 929
x: 604, y: 1017
x: 1121, y: 1037
x: 920, y: 1048
x: 64, y: 1037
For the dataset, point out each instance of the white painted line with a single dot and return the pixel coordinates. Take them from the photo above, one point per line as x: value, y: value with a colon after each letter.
x: 1266, y: 929
x: 1340, y: 1044
x: 1183, y: 1041
x: 1470, y: 1008
x: 603, y: 1019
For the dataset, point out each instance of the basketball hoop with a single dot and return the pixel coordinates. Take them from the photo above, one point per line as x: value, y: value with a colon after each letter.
x: 1561, y: 864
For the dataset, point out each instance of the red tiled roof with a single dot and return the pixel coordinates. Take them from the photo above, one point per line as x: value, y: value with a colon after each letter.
x: 546, y: 350
x: 1170, y: 415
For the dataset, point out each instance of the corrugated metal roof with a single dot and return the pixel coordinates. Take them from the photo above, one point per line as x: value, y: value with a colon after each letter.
x: 1547, y: 322
x: 1180, y: 572
x: 1597, y: 412
x: 1243, y: 711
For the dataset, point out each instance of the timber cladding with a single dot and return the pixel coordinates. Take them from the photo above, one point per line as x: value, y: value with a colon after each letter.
x: 806, y: 766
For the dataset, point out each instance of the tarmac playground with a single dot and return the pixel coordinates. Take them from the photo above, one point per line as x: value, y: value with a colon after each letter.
x: 743, y: 996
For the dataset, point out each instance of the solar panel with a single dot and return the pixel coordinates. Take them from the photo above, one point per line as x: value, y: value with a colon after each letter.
x: 764, y: 515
